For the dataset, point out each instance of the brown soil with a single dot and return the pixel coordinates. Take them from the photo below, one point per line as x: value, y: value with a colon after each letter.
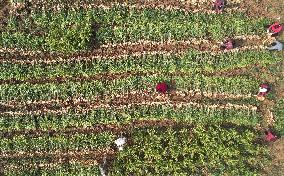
x: 277, y: 166
x: 264, y: 8
x: 4, y: 12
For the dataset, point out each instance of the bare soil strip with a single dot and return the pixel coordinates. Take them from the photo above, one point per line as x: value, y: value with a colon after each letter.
x: 176, y: 99
x: 140, y: 48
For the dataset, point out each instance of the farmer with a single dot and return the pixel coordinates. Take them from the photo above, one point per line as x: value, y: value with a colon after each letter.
x: 120, y: 142
x: 263, y: 91
x: 218, y: 5
x: 275, y: 29
x: 162, y: 87
x: 228, y: 44
x: 269, y: 136
x: 276, y: 46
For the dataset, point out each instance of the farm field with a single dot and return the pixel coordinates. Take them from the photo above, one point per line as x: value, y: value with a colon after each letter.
x: 77, y: 75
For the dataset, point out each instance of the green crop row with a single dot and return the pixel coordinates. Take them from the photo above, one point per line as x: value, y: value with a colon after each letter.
x: 212, y: 147
x: 60, y: 142
x: 73, y: 169
x: 212, y: 150
x: 127, y: 114
x: 278, y: 112
x: 70, y: 31
x: 24, y: 92
x: 189, y: 62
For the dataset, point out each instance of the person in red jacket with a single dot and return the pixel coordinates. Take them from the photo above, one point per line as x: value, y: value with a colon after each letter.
x: 270, y: 136
x: 162, y: 87
x: 275, y: 29
x: 218, y: 5
x: 228, y: 44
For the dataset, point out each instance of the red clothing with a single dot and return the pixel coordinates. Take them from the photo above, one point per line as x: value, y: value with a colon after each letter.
x: 219, y: 5
x: 270, y: 137
x: 275, y: 28
x: 228, y: 44
x: 264, y: 86
x: 162, y: 87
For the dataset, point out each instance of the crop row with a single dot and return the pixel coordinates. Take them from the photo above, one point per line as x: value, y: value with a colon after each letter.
x: 78, y: 168
x: 29, y: 92
x: 99, y: 132
x: 278, y: 112
x: 90, y: 141
x: 54, y: 155
x: 70, y: 31
x: 192, y: 6
x: 118, y: 101
x: 190, y: 112
x: 194, y: 94
x: 196, y: 151
x: 191, y: 61
x: 140, y: 48
x: 121, y: 75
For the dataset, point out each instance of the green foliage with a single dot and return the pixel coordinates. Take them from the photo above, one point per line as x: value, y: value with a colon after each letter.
x: 278, y: 112
x: 182, y: 151
x: 73, y: 169
x: 69, y: 30
x: 192, y: 61
x: 127, y: 114
x: 23, y: 92
x: 60, y: 142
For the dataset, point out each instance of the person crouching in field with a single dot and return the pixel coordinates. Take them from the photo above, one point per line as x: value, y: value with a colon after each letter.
x: 275, y: 29
x: 264, y: 89
x: 162, y: 87
x: 228, y: 44
x: 218, y: 5
x: 270, y: 136
x: 276, y: 45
